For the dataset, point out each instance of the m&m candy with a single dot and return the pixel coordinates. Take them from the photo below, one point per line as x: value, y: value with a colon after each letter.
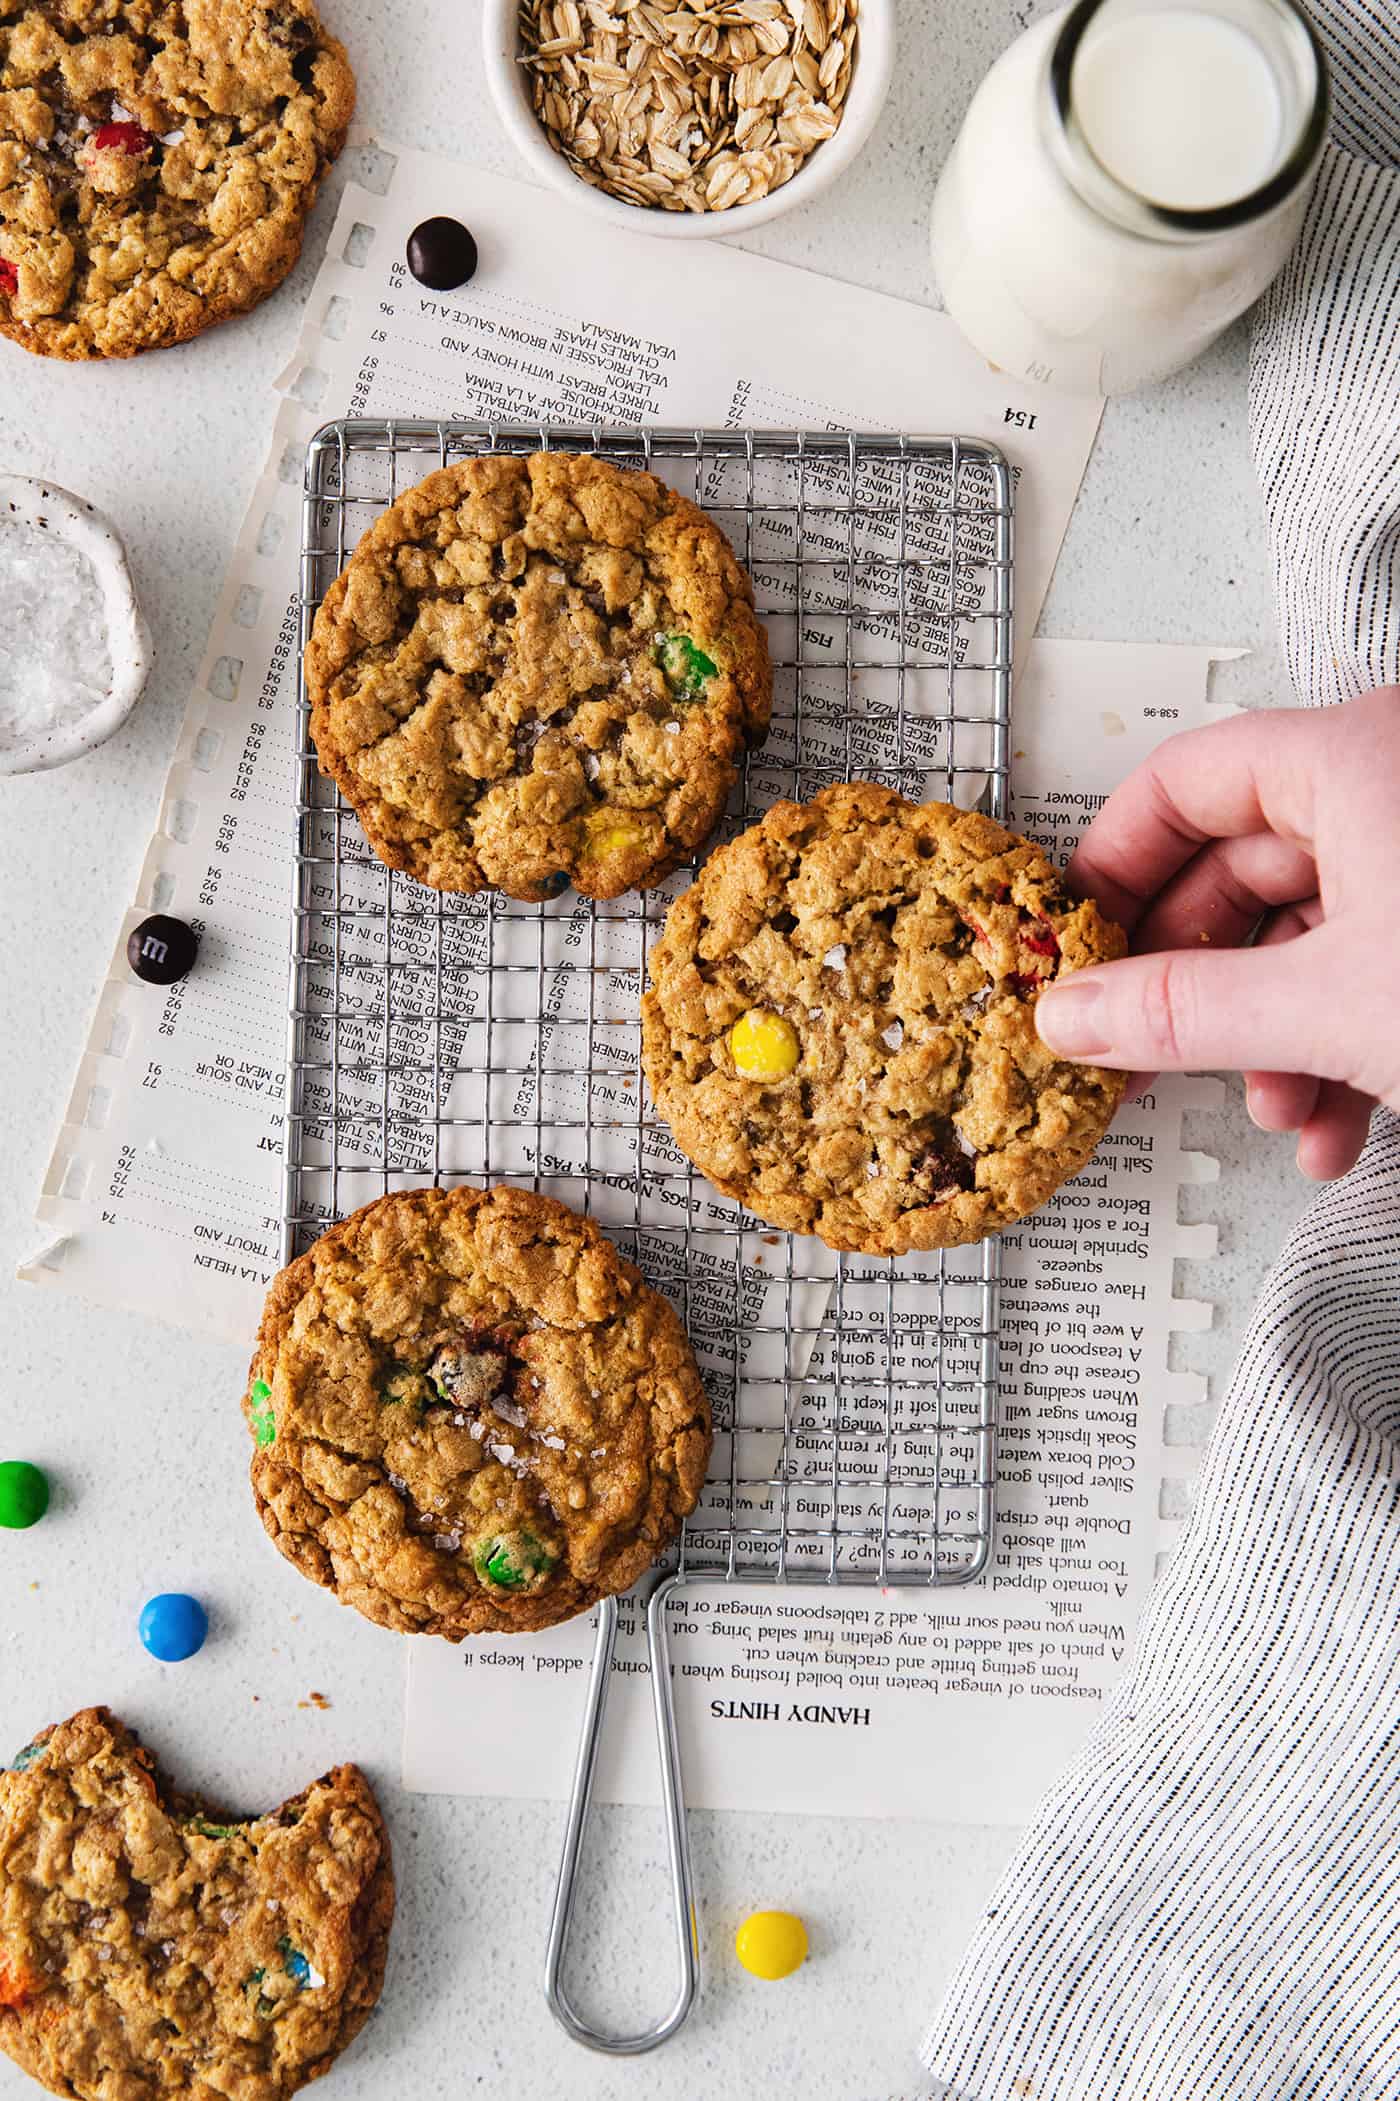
x: 162, y: 950
x: 442, y: 254
x: 764, y: 1047
x: 263, y: 1415
x: 771, y: 1944
x: 173, y: 1626
x: 24, y: 1494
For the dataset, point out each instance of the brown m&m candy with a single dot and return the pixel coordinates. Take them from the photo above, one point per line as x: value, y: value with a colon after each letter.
x: 441, y: 254
x: 162, y: 950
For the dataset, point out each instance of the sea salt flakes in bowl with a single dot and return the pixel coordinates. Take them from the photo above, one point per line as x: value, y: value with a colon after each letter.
x: 77, y: 651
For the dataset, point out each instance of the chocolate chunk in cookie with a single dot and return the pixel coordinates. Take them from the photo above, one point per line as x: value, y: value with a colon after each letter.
x: 840, y: 1024
x: 537, y: 672
x: 152, y: 1945
x: 157, y: 164
x: 470, y: 1414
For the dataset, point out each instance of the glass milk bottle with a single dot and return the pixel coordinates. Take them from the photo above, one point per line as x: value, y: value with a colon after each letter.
x: 1129, y: 177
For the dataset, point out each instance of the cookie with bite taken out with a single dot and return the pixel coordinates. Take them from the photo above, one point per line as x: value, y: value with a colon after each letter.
x: 151, y: 1944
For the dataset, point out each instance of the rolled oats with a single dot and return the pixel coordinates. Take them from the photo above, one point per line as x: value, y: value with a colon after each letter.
x: 688, y: 108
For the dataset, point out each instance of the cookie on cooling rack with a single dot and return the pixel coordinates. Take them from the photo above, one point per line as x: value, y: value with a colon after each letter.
x: 157, y: 163
x: 150, y: 1944
x: 535, y: 673
x: 840, y: 1024
x: 471, y: 1415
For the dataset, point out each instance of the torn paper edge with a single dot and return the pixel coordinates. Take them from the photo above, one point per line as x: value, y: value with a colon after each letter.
x: 167, y: 858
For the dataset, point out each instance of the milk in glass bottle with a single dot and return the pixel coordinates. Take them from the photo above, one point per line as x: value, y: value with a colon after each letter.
x: 1129, y: 177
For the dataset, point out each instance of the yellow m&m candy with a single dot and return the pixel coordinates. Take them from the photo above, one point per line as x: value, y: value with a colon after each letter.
x: 763, y: 1045
x: 771, y: 1944
x: 605, y: 834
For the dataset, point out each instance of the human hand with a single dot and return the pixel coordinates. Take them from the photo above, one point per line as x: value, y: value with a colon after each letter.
x: 1292, y: 814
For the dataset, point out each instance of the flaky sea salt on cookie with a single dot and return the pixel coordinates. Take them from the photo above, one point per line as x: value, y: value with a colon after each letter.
x: 840, y: 1024
x: 537, y: 673
x: 153, y: 1945
x: 157, y: 163
x: 471, y: 1415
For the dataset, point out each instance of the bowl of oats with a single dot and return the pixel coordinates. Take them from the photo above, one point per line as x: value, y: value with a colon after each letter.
x: 688, y: 118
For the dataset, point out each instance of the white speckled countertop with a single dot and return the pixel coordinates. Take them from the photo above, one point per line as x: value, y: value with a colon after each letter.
x: 136, y: 1423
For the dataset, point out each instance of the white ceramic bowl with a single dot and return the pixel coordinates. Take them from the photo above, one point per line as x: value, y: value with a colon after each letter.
x: 865, y: 96
x: 68, y: 517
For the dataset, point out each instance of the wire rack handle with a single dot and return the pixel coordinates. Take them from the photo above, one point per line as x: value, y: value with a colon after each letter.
x: 677, y: 1837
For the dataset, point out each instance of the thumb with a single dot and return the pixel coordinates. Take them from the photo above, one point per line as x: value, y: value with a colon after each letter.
x: 1185, y: 1010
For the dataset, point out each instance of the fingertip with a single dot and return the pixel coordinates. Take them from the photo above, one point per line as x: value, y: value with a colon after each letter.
x: 1279, y: 1101
x: 1334, y: 1136
x: 1068, y: 1017
x: 1317, y: 1165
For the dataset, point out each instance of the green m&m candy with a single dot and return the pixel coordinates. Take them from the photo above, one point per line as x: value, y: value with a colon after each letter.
x: 24, y: 1494
x: 511, y: 1560
x: 264, y: 1421
x: 688, y: 670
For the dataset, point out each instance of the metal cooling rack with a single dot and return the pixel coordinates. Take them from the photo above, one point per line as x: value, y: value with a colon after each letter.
x: 469, y: 1040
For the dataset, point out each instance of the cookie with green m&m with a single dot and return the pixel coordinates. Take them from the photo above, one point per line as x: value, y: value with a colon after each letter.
x: 151, y: 1945
x: 469, y: 1414
x: 538, y: 672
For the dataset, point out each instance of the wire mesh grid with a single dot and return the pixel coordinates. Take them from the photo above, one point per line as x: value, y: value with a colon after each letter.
x: 473, y: 1039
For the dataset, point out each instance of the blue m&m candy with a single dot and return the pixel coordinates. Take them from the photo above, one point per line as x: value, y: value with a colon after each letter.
x: 173, y: 1626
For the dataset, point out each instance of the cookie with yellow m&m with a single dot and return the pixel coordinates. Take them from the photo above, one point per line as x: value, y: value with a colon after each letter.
x: 537, y: 672
x: 839, y: 1028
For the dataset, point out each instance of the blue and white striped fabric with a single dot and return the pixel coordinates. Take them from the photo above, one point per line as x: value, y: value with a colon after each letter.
x: 1324, y: 381
x: 1207, y: 1907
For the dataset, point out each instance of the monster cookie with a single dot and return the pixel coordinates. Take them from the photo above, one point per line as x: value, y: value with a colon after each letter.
x: 158, y: 159
x: 537, y: 672
x: 470, y: 1414
x: 152, y: 1946
x: 840, y: 1024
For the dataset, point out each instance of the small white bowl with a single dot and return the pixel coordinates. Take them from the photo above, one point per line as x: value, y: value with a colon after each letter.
x: 41, y: 504
x: 865, y: 96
